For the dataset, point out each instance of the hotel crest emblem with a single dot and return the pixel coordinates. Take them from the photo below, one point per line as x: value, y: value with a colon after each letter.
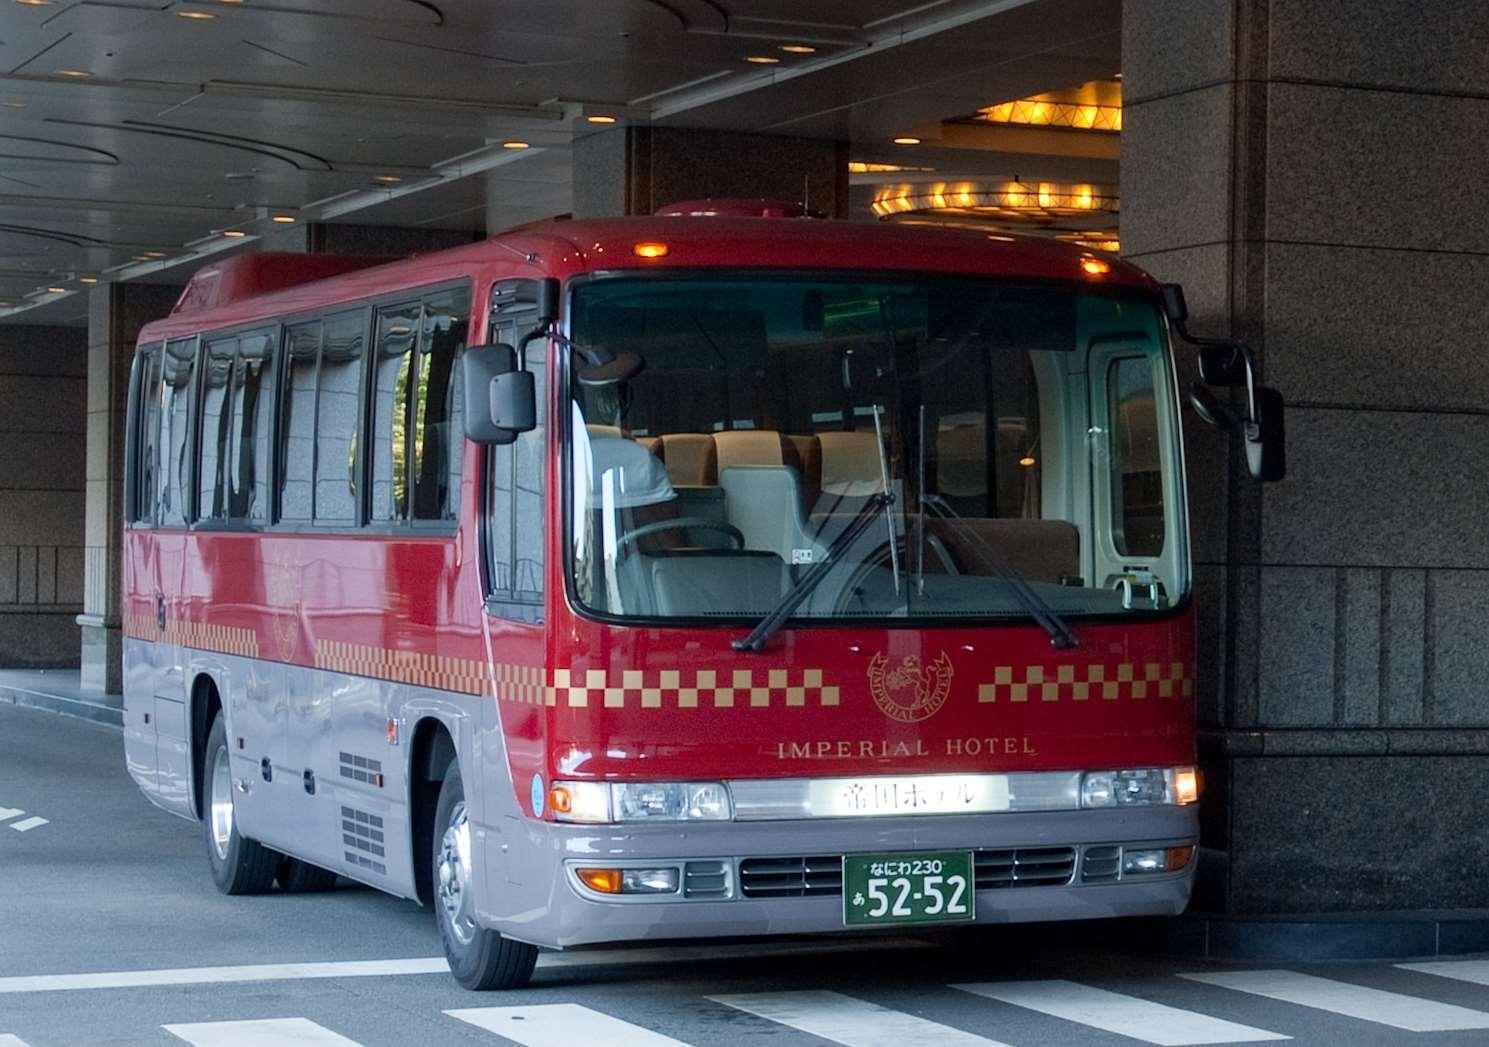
x: 909, y: 691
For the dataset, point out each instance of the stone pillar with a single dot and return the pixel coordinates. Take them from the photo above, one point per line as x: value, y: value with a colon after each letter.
x: 635, y: 170
x: 43, y: 374
x: 116, y: 312
x: 1307, y: 170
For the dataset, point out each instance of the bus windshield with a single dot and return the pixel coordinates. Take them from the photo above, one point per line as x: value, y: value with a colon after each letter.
x: 920, y: 447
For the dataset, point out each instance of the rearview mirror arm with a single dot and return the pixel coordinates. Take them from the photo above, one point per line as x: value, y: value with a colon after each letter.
x: 1241, y: 349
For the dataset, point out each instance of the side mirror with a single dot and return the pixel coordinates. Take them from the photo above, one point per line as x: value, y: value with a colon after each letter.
x: 1174, y: 306
x: 1265, y: 436
x: 1222, y: 365
x: 489, y: 414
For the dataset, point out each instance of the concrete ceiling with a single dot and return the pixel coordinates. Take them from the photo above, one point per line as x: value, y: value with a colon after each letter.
x: 186, y: 126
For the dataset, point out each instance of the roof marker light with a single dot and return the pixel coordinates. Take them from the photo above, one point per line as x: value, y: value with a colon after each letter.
x: 650, y: 249
x: 1095, y: 266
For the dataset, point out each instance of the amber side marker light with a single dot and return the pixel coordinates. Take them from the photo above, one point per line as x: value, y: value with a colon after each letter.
x: 1095, y: 267
x: 560, y: 801
x: 650, y: 250
x: 1177, y: 857
x: 606, y: 881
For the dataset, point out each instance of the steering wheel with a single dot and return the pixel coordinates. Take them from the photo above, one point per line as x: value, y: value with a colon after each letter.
x: 679, y: 523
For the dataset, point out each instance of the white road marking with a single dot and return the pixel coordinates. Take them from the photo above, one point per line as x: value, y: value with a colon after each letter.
x: 28, y: 824
x: 7, y: 813
x: 431, y: 965
x: 855, y: 1023
x: 7, y: 1040
x: 1124, y: 1015
x: 214, y: 975
x: 1353, y: 1001
x: 266, y: 1032
x: 1476, y: 971
x: 561, y: 1025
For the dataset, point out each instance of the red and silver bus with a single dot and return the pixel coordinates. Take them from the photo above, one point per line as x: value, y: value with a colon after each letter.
x: 673, y: 577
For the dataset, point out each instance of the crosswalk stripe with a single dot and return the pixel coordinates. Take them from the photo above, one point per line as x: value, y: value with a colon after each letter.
x: 7, y: 1040
x: 1124, y: 1015
x: 1476, y: 971
x: 7, y: 813
x: 561, y: 1025
x: 1353, y: 1001
x: 845, y: 1020
x: 266, y: 1032
x: 263, y: 972
x: 28, y: 824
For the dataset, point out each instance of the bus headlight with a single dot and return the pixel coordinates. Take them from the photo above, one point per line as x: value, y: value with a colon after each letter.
x: 1140, y: 787
x: 599, y: 802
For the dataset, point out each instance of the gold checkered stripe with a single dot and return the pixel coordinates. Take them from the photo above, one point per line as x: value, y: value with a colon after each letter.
x: 439, y: 671
x: 224, y: 639
x: 521, y: 683
x: 141, y: 626
x: 692, y: 689
x: 1079, y: 683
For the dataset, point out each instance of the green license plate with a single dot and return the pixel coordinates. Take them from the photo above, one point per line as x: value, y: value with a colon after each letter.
x: 908, y: 888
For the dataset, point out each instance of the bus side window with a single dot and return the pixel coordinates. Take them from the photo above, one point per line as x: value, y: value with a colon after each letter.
x: 215, y: 420
x: 147, y: 417
x: 338, y: 403
x: 297, y: 422
x: 436, y: 429
x: 514, y: 473
x: 1137, y: 478
x: 174, y: 472
x: 249, y: 445
x: 393, y: 376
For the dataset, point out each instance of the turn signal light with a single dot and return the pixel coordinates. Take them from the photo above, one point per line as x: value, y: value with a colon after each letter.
x: 1095, y: 266
x: 650, y: 250
x: 1186, y: 785
x: 560, y: 800
x: 1177, y: 857
x: 605, y: 881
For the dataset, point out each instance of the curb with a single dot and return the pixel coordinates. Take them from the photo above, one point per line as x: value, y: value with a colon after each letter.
x: 102, y: 712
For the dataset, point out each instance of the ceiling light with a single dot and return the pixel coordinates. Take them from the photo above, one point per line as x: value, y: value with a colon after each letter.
x: 1047, y: 111
x: 12, y: 105
x: 600, y: 119
x: 285, y: 219
x: 233, y: 234
x: 56, y: 290
x: 514, y: 145
x: 36, y: 3
x: 153, y: 254
x: 387, y: 179
x: 999, y: 200
x: 762, y: 59
x: 798, y: 49
x: 906, y: 140
x: 76, y: 73
x: 87, y: 279
x: 197, y: 16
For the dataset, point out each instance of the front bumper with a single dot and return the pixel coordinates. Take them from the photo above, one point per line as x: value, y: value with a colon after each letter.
x: 564, y: 914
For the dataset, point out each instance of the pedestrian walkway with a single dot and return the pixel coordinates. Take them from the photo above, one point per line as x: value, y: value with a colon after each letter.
x: 1029, y: 1013
x: 60, y: 691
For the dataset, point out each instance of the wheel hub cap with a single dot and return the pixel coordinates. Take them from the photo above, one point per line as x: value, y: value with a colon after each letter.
x: 453, y: 869
x: 222, y: 804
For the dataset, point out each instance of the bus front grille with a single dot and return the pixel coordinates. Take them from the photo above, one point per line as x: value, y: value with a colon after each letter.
x: 1024, y: 867
x: 791, y: 877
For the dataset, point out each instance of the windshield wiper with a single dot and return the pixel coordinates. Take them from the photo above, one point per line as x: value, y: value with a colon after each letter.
x: 772, y: 622
x: 1061, y: 635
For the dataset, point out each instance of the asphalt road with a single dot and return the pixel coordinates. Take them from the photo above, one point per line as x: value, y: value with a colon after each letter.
x: 112, y: 933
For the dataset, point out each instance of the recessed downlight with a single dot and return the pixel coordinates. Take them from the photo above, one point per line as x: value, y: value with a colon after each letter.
x: 387, y: 179
x: 600, y: 118
x: 515, y: 145
x: 196, y: 16
x: 906, y: 140
x: 234, y: 234
x: 12, y: 105
x: 36, y: 3
x: 798, y: 49
x: 762, y: 59
x: 56, y: 290
x: 76, y: 74
x: 152, y: 254
x: 284, y: 219
x: 87, y: 279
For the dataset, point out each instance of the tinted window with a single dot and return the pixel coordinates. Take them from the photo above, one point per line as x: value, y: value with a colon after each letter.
x: 174, y: 476
x: 297, y: 422
x: 338, y: 404
x: 527, y: 488
x: 249, y: 461
x: 397, y: 334
x: 514, y: 482
x: 1137, y: 475
x: 216, y: 421
x: 436, y: 422
x: 148, y: 419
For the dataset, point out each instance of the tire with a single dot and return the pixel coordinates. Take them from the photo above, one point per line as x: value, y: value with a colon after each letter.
x: 297, y: 877
x: 479, y: 959
x: 239, y: 865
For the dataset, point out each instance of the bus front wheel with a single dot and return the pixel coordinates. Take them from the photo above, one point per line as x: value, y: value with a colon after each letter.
x: 479, y: 958
x: 239, y: 865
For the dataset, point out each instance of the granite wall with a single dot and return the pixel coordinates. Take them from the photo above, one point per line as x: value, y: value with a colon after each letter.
x: 43, y: 379
x: 1307, y: 169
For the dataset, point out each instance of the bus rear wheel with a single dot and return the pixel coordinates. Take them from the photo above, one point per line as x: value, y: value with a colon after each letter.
x: 239, y: 865
x: 479, y: 959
